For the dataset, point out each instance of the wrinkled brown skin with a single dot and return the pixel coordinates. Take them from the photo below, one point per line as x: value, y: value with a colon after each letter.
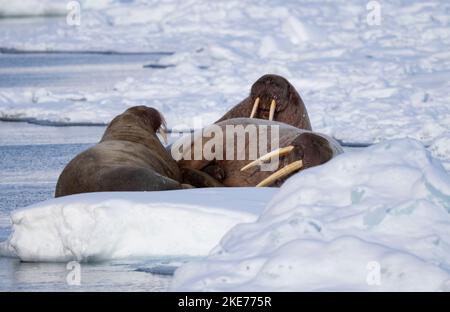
x: 290, y: 108
x: 198, y: 178
x: 129, y: 157
x: 313, y: 148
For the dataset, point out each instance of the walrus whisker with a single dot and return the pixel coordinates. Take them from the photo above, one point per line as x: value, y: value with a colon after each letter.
x: 278, y: 152
x: 163, y: 135
x: 273, y: 105
x: 296, y: 165
x: 255, y: 108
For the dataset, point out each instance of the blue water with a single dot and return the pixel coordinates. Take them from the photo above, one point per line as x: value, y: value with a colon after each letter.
x: 42, y: 70
x: 110, y: 276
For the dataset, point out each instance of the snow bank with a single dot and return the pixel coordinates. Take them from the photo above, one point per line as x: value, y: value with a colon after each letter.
x: 360, y: 82
x: 103, y: 226
x: 374, y: 220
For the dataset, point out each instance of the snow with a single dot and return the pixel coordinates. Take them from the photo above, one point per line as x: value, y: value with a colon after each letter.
x: 440, y: 148
x: 361, y: 83
x: 327, y: 228
x: 121, y: 225
x: 46, y: 8
x: 28, y: 8
x: 384, y: 209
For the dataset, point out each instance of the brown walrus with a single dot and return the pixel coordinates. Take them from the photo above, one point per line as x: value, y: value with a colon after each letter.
x: 129, y: 157
x: 298, y: 149
x: 272, y: 97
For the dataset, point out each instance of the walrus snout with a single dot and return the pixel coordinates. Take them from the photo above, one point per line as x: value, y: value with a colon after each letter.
x: 215, y: 171
x: 270, y: 94
x: 305, y: 151
x: 272, y: 98
x: 312, y: 149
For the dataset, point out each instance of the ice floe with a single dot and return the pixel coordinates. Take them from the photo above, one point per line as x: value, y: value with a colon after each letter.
x: 107, y: 226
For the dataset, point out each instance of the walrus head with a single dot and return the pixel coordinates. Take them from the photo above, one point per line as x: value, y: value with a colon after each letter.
x: 137, y: 117
x: 272, y: 98
x: 270, y: 93
x: 305, y: 151
x: 150, y: 117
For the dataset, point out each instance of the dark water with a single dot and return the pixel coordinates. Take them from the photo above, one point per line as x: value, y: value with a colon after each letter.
x: 27, y: 60
x: 76, y: 71
x: 111, y: 276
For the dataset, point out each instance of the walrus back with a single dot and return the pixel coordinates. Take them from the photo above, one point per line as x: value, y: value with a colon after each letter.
x: 116, y: 166
x: 321, y: 148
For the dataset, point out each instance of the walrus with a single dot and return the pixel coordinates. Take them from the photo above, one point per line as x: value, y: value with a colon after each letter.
x: 297, y: 149
x: 129, y: 157
x: 272, y: 97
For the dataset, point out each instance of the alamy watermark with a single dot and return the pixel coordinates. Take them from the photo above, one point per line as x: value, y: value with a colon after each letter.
x: 373, y: 17
x: 73, y: 17
x: 373, y: 277
x: 229, y: 142
x: 73, y: 278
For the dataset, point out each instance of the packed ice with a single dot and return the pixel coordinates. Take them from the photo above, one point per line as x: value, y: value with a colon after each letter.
x: 375, y: 220
x: 363, y: 79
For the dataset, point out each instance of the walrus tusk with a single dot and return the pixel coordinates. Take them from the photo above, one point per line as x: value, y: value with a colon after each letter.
x: 296, y: 165
x: 255, y: 108
x: 163, y: 135
x: 272, y: 109
x: 278, y: 152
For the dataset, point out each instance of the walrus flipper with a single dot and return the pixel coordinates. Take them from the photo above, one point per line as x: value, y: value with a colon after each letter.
x: 199, y: 178
x: 135, y: 179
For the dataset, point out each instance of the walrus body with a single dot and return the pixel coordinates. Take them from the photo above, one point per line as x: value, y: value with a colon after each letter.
x: 129, y: 157
x: 272, y: 92
x: 311, y: 148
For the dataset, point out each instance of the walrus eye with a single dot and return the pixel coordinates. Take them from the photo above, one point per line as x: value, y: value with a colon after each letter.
x: 255, y: 108
x: 278, y: 152
x: 292, y: 167
x: 163, y: 134
x: 273, y: 105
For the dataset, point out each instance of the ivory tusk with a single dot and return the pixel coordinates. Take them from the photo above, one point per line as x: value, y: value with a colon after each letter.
x: 296, y: 165
x: 163, y: 135
x: 278, y: 152
x: 273, y: 105
x: 255, y: 108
